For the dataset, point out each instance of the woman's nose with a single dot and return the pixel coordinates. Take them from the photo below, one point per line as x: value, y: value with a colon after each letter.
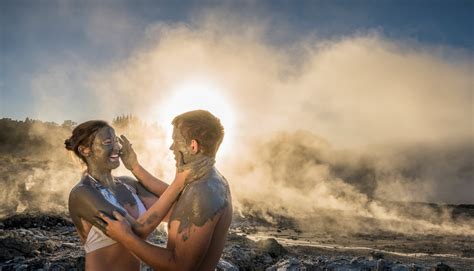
x: 117, y: 146
x: 171, y: 147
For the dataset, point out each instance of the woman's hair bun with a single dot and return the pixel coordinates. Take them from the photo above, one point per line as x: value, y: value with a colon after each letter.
x: 68, y: 144
x: 84, y: 134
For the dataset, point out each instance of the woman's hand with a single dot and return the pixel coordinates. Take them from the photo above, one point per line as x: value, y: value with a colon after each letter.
x: 127, y: 154
x: 117, y: 228
x: 194, y: 170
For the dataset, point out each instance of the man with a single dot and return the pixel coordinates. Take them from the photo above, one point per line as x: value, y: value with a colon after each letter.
x: 201, y: 216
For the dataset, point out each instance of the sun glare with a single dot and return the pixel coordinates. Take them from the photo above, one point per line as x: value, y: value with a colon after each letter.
x: 198, y: 95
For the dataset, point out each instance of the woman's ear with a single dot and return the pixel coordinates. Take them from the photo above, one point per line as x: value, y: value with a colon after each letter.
x: 84, y: 151
x: 194, y: 146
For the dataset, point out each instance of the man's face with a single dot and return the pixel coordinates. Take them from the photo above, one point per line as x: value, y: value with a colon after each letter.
x: 180, y: 148
x: 105, y: 149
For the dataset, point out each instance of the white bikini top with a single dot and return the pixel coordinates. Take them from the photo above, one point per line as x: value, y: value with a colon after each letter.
x: 96, y: 239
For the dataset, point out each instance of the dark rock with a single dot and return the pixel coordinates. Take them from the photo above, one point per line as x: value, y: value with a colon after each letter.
x: 21, y: 267
x: 267, y: 259
x: 381, y: 265
x: 226, y: 266
x: 375, y: 255
x: 287, y: 264
x: 49, y: 246
x: 13, y: 245
x: 241, y: 257
x: 272, y: 247
x: 27, y: 220
x: 441, y: 267
x: 356, y: 260
x: 68, y: 245
x: 18, y: 259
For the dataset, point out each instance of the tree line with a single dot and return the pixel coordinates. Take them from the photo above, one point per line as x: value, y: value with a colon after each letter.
x: 30, y: 135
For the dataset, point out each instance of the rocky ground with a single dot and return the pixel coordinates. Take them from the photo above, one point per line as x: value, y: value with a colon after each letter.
x: 49, y: 242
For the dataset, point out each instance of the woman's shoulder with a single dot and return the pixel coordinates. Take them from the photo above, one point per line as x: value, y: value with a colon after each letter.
x: 85, y: 185
x: 85, y: 180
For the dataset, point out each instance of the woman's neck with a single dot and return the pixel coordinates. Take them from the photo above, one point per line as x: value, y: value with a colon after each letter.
x: 103, y: 176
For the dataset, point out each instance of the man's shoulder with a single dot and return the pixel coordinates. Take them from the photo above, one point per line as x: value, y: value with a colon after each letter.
x: 215, y: 185
x: 201, y: 201
x: 211, y: 193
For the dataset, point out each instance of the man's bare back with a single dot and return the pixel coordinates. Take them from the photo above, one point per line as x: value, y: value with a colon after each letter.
x: 204, y: 202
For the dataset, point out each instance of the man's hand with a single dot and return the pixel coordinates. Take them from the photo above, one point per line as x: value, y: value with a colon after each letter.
x: 116, y: 229
x: 127, y: 154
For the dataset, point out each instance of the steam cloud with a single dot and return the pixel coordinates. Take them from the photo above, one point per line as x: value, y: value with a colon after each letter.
x: 344, y: 125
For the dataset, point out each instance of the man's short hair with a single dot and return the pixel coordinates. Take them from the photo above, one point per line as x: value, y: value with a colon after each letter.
x: 203, y: 127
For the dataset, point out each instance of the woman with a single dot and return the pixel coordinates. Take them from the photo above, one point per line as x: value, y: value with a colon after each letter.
x: 96, y: 144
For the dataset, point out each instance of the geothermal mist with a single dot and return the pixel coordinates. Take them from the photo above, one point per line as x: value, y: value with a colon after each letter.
x: 335, y: 125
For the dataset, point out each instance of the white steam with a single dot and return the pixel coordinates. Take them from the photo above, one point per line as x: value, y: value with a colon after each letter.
x: 369, y: 100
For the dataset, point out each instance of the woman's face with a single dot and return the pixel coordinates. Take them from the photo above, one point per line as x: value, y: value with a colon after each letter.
x: 105, y: 149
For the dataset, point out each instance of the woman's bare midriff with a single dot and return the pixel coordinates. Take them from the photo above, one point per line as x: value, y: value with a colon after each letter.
x: 114, y: 257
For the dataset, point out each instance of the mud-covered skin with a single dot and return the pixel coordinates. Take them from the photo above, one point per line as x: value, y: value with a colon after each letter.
x: 86, y: 201
x: 201, y: 201
x: 104, y: 145
x: 187, y: 159
x: 127, y: 153
x: 183, y: 152
x: 140, y: 190
x: 198, y: 168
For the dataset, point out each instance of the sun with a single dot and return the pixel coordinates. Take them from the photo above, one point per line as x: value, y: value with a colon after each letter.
x: 198, y: 95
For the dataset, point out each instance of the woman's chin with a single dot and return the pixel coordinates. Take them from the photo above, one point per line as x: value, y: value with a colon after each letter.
x: 114, y: 164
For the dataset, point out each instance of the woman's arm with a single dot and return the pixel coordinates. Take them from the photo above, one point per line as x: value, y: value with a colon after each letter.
x: 130, y: 161
x: 150, y: 182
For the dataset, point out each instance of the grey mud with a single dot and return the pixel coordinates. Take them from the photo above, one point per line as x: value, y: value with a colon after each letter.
x: 201, y: 201
x: 86, y: 201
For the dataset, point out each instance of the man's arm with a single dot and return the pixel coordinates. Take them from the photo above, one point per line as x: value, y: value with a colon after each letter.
x: 187, y: 254
x: 148, y: 222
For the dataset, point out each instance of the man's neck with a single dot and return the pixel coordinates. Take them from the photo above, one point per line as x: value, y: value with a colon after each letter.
x: 200, y: 166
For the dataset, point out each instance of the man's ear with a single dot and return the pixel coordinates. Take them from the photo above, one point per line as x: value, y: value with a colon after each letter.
x: 84, y: 151
x: 194, y: 146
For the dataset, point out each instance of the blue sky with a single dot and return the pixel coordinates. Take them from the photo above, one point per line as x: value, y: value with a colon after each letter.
x: 36, y: 35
